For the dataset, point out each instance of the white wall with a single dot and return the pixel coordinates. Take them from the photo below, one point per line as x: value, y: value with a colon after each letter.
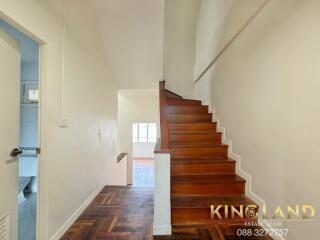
x: 76, y: 160
x: 135, y: 106
x: 143, y: 150
x: 219, y: 22
x: 265, y: 89
x: 133, y: 41
x: 211, y: 17
x: 180, y: 42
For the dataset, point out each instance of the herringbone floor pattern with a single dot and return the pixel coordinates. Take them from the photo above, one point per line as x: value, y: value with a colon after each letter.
x: 117, y: 213
x: 126, y: 213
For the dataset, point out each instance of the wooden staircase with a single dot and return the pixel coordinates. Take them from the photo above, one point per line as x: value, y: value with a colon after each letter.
x: 201, y: 172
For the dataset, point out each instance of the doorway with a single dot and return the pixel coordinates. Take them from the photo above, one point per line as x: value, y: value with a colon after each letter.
x: 144, y: 137
x: 27, y: 192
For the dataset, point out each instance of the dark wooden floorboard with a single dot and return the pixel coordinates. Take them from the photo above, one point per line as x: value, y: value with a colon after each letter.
x: 116, y: 213
x: 126, y: 213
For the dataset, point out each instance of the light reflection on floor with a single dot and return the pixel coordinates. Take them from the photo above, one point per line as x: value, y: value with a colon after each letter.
x: 143, y: 172
x: 27, y: 218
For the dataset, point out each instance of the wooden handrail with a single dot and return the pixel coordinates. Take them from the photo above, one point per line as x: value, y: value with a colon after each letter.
x: 164, y: 142
x: 121, y: 156
x: 230, y: 42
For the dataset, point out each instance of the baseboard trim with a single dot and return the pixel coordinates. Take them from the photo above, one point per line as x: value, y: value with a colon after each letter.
x: 76, y: 214
x: 236, y: 157
x: 239, y: 170
x: 161, y: 230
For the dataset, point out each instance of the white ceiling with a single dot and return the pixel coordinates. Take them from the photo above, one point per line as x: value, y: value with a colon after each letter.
x: 132, y: 31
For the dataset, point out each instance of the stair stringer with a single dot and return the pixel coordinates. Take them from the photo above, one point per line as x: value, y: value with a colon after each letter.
x: 242, y: 173
x: 235, y: 157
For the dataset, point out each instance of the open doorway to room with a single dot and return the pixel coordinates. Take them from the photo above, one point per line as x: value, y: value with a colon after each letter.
x: 28, y: 134
x: 138, y: 125
x: 144, y: 136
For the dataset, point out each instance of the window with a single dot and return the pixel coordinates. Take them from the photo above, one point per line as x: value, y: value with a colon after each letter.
x: 144, y: 132
x: 33, y: 95
x: 135, y: 132
x: 30, y: 93
x: 152, y: 132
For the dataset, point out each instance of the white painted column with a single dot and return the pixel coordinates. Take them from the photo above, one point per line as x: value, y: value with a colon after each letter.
x: 162, y: 205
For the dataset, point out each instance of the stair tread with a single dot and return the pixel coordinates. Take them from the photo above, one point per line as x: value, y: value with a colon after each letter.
x: 199, y: 123
x: 186, y: 106
x: 187, y: 99
x: 193, y: 124
x: 183, y: 109
x: 200, y: 127
x: 194, y: 132
x: 207, y: 201
x: 199, y: 145
x: 188, y: 114
x: 186, y: 144
x: 199, y: 160
x: 183, y: 99
x: 206, y: 178
x: 189, y: 118
x: 201, y: 174
x: 192, y: 121
x: 192, y: 106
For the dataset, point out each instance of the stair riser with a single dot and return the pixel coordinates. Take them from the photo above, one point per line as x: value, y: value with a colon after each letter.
x: 189, y: 118
x: 195, y: 138
x: 218, y: 152
x: 199, y: 167
x: 181, y: 216
x: 187, y: 109
x: 202, y: 168
x: 208, y: 189
x: 192, y: 126
x: 184, y: 102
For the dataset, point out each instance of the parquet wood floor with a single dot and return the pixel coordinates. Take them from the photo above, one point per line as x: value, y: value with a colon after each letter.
x: 126, y: 213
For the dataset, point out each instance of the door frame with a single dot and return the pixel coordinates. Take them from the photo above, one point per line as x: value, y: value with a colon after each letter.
x: 42, y: 193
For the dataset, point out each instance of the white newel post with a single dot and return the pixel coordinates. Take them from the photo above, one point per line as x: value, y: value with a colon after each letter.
x: 162, y: 205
